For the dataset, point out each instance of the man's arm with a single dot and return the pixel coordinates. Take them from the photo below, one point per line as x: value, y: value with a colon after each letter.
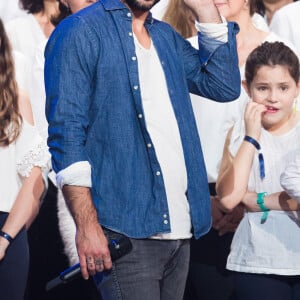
x: 213, y: 71
x: 92, y: 246
x: 204, y: 10
x: 69, y: 69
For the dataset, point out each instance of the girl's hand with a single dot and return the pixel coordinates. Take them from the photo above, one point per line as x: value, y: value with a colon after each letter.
x: 3, y: 246
x: 253, y: 116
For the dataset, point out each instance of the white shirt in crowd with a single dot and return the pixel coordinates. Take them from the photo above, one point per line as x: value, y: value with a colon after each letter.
x: 290, y: 178
x: 10, y: 9
x: 286, y: 23
x: 159, y: 9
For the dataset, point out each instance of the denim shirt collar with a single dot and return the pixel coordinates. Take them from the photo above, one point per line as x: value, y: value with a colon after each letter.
x: 119, y: 5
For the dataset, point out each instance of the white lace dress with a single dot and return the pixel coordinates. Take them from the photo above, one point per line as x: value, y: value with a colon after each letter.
x: 17, y: 161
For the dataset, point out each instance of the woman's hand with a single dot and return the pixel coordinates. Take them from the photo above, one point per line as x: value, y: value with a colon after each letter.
x: 4, y: 243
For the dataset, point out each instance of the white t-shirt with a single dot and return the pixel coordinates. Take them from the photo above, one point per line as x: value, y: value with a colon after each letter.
x: 25, y: 34
x: 159, y: 9
x: 285, y: 23
x: 290, y: 178
x: 163, y: 129
x: 10, y: 9
x: 272, y: 247
x: 17, y: 160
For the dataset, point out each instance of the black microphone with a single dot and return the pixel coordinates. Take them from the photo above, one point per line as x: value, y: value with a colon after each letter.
x: 117, y: 247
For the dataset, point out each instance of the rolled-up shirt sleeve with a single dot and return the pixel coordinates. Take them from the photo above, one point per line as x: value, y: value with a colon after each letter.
x: 78, y: 174
x: 290, y: 178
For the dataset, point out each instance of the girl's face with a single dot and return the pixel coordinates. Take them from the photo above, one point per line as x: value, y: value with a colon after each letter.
x: 230, y: 9
x: 76, y: 5
x: 274, y: 88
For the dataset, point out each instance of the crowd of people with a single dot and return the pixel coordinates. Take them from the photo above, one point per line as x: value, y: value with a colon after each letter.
x: 172, y: 125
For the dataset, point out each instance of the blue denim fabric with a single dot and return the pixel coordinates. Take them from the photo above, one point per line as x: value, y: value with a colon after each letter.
x: 95, y: 113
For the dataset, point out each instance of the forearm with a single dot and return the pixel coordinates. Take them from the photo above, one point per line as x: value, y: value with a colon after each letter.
x: 79, y: 201
x: 90, y: 239
x: 232, y: 183
x: 27, y: 203
x: 280, y: 201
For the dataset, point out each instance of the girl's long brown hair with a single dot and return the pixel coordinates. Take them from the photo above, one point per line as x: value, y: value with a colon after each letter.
x: 10, y: 118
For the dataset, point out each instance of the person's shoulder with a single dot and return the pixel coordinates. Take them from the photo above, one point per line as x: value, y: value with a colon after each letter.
x: 78, y: 21
x: 20, y: 22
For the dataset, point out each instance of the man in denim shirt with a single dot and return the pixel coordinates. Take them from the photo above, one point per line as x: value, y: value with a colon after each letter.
x: 124, y: 142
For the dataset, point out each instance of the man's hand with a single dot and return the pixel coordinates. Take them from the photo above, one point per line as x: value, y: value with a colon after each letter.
x: 205, y: 11
x: 91, y: 243
x: 92, y: 247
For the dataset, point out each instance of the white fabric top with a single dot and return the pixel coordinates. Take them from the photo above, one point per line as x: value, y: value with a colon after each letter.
x: 274, y: 246
x: 17, y: 160
x: 25, y: 34
x: 290, y: 178
x: 159, y: 9
x: 37, y: 89
x: 163, y: 130
x: 215, y: 119
x: 286, y: 24
x: 22, y: 69
x: 9, y: 9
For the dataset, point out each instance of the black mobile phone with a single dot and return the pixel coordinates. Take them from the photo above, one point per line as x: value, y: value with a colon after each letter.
x: 118, y: 247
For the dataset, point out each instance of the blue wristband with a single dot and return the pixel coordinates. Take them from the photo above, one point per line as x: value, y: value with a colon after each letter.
x: 261, y: 203
x: 261, y: 161
x: 6, y: 236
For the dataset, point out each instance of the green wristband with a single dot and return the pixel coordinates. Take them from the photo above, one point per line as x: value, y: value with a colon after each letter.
x: 261, y: 203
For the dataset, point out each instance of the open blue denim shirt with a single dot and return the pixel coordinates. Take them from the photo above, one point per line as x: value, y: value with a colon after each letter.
x: 95, y: 113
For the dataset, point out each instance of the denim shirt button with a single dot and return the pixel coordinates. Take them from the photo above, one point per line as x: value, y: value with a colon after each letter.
x: 140, y: 116
x: 157, y: 173
x: 133, y: 58
x: 135, y: 87
x: 149, y: 145
x: 166, y: 222
x: 129, y: 15
x: 165, y: 216
x: 130, y: 33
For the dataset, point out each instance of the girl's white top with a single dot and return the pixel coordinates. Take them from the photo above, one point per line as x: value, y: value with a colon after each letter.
x: 274, y: 246
x: 17, y: 161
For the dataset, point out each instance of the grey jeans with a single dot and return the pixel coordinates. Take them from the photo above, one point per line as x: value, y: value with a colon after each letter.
x: 153, y: 270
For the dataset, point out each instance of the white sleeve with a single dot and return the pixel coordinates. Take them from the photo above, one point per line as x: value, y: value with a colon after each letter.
x: 215, y: 31
x: 31, y: 151
x: 78, y: 174
x: 290, y: 178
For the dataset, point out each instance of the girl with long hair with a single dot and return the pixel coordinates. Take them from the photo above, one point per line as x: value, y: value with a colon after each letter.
x: 24, y: 159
